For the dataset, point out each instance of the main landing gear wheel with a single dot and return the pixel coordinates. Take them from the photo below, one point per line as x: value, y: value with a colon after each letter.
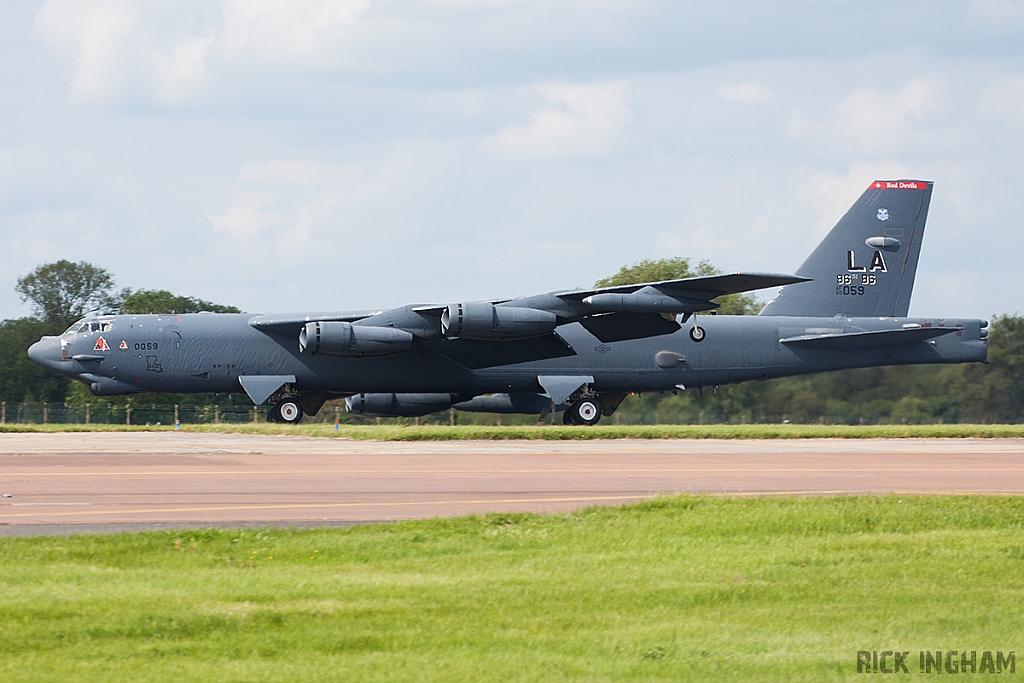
x: 586, y: 412
x: 697, y: 334
x: 289, y: 411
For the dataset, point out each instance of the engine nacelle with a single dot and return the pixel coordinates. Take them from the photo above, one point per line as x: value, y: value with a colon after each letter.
x: 397, y: 405
x: 345, y: 339
x: 481, y: 320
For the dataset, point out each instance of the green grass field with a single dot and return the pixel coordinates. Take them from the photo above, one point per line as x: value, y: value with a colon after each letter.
x: 561, y: 433
x: 676, y: 589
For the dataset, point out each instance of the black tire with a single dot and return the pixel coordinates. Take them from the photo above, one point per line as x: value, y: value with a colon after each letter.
x: 289, y: 411
x: 697, y: 333
x: 274, y: 413
x: 586, y: 411
x: 567, y: 418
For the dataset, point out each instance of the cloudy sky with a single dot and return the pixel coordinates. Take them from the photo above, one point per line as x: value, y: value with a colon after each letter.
x: 306, y: 154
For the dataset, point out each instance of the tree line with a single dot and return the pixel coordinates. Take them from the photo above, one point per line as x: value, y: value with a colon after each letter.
x: 968, y: 392
x: 63, y: 292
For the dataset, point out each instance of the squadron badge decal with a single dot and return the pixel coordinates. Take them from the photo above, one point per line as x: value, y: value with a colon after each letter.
x: 101, y: 345
x: 883, y: 214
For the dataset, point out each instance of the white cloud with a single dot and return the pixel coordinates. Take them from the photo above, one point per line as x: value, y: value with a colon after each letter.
x: 1003, y: 101
x: 314, y: 133
x: 97, y: 32
x: 1001, y: 14
x: 288, y: 29
x: 294, y: 172
x: 580, y: 120
x: 246, y: 219
x: 745, y: 93
x: 870, y: 115
x: 303, y: 195
x: 836, y: 193
x: 181, y: 71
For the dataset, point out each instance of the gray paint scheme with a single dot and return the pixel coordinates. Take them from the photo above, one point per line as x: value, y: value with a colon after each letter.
x: 812, y: 326
x: 891, y: 214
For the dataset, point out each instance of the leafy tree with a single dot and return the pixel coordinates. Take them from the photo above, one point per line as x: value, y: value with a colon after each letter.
x: 676, y: 269
x: 918, y: 393
x: 162, y: 301
x: 20, y: 378
x: 994, y: 392
x: 62, y: 292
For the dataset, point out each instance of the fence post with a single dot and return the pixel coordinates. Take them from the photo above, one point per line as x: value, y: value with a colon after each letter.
x: 254, y: 413
x: 86, y: 413
x: 216, y: 414
x: 46, y: 412
x: 128, y: 413
x: 3, y: 412
x: 175, y: 413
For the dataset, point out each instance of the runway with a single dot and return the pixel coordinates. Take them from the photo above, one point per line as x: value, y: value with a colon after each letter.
x: 66, y: 482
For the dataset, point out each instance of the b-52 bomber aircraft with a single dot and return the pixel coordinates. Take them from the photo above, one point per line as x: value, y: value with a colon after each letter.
x: 581, y: 351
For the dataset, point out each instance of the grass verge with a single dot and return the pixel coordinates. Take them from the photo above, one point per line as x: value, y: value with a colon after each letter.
x: 678, y: 588
x: 561, y: 433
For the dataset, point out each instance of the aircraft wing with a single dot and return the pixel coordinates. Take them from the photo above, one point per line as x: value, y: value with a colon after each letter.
x: 694, y: 289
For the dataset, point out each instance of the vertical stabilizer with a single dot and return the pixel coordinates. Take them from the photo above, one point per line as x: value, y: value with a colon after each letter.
x: 866, y: 265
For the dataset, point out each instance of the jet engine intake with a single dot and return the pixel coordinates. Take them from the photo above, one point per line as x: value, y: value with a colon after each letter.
x: 397, y: 405
x: 345, y: 339
x: 482, y: 320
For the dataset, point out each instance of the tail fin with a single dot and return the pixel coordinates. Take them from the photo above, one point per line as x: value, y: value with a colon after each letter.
x: 866, y: 265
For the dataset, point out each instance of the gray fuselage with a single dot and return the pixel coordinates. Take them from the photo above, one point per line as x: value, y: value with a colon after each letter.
x: 206, y: 353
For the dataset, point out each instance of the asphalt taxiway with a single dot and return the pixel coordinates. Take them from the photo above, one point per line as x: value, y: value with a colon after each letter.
x: 107, y: 481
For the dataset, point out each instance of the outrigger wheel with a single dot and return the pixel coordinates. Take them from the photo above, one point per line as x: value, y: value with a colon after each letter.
x: 287, y: 411
x: 586, y: 411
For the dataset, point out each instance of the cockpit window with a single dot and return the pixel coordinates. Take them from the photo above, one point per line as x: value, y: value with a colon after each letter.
x: 87, y: 326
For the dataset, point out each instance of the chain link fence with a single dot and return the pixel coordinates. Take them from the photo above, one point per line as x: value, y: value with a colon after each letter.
x: 143, y: 413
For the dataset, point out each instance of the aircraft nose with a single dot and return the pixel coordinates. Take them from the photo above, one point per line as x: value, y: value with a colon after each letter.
x: 46, y: 352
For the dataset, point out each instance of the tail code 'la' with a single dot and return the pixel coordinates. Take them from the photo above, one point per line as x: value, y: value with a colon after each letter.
x: 866, y: 265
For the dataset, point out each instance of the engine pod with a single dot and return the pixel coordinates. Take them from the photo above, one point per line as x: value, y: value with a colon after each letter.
x: 482, y: 320
x: 345, y: 339
x: 397, y: 405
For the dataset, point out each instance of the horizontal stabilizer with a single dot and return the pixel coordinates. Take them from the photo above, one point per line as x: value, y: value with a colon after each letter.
x: 291, y: 323
x: 867, y: 340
